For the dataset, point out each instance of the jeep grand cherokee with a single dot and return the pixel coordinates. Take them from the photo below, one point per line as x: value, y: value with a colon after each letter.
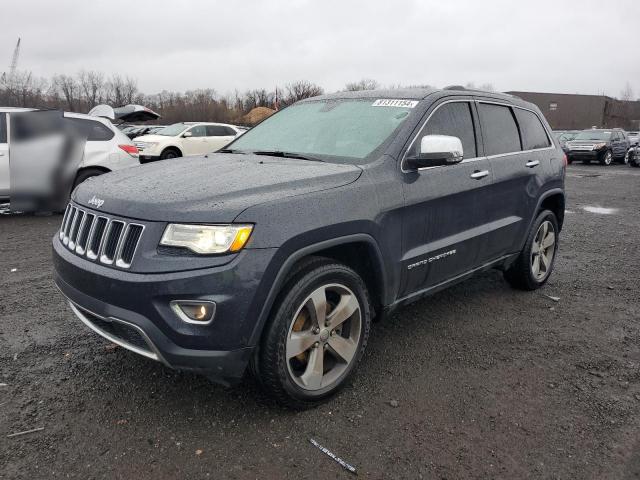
x: 277, y: 252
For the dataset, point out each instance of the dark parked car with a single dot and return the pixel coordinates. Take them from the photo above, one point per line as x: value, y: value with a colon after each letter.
x: 633, y: 157
x: 602, y: 145
x: 278, y: 251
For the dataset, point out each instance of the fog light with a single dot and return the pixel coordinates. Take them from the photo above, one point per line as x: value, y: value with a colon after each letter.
x: 199, y: 312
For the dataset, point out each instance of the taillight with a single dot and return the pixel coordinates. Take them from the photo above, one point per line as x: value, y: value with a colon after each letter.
x: 130, y: 149
x: 564, y: 160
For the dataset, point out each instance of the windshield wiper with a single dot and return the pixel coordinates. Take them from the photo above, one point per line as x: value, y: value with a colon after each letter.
x: 229, y: 150
x: 281, y: 154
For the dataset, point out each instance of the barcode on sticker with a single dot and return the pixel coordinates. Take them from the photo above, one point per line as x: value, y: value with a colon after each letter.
x: 395, y: 103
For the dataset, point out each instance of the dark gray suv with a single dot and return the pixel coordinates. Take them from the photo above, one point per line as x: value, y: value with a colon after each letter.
x: 278, y: 251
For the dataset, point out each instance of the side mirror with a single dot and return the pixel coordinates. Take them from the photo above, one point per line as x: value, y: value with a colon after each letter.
x: 435, y: 151
x: 187, y: 134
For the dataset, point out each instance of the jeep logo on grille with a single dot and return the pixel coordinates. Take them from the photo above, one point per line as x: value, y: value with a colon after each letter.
x: 98, y: 202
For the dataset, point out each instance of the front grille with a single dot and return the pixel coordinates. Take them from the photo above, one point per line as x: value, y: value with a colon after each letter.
x: 108, y: 240
x: 580, y: 147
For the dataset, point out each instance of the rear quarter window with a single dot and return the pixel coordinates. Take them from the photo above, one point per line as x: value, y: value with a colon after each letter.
x: 95, y: 131
x: 533, y: 133
x: 499, y: 129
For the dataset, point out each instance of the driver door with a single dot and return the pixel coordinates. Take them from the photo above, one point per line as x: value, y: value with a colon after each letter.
x: 197, y: 143
x: 445, y: 206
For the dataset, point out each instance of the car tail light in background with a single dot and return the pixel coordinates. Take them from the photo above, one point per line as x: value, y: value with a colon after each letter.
x: 130, y: 149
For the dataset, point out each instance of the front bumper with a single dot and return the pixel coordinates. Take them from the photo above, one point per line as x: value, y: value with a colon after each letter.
x: 144, y: 158
x: 132, y: 309
x: 578, y: 155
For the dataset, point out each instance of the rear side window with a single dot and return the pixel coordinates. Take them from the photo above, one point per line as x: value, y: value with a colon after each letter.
x: 452, y: 119
x: 533, y: 133
x: 95, y: 131
x: 3, y: 128
x: 499, y: 129
x: 219, y: 131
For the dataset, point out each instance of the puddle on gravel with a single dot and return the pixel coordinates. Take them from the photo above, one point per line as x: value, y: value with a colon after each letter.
x: 600, y: 210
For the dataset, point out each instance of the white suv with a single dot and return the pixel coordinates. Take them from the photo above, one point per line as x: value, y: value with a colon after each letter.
x: 106, y: 148
x: 186, y: 138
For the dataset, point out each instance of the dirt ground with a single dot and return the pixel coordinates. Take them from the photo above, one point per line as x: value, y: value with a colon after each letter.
x: 489, y: 382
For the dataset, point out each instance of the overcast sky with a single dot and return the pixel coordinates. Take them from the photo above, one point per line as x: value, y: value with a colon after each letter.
x: 584, y: 46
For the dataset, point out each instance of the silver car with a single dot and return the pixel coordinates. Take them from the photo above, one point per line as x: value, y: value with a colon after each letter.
x: 106, y: 148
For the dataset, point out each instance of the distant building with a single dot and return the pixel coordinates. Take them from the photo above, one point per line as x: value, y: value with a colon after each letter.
x: 566, y: 111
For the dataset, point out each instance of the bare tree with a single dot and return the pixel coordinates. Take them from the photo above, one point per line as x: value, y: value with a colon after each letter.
x: 70, y: 90
x: 300, y: 90
x: 121, y: 91
x: 364, y: 84
x: 92, y: 85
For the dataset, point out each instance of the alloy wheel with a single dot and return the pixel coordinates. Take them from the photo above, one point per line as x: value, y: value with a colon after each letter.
x: 543, y: 250
x: 323, y: 337
x: 608, y: 158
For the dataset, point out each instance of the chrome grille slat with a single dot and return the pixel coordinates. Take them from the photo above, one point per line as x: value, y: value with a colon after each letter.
x: 64, y: 221
x: 110, y: 241
x: 83, y: 233
x: 97, y: 237
x: 67, y: 227
x: 77, y: 223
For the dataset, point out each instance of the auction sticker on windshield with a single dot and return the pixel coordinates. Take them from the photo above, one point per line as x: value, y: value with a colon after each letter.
x: 395, y: 103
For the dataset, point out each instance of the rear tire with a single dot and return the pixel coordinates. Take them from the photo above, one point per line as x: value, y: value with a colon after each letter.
x: 534, y: 265
x: 309, y: 351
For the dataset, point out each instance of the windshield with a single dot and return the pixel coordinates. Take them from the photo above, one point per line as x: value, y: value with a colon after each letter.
x: 172, y: 130
x: 349, y: 129
x: 593, y: 135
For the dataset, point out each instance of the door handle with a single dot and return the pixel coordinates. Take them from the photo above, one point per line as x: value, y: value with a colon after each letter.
x: 532, y: 163
x: 479, y: 174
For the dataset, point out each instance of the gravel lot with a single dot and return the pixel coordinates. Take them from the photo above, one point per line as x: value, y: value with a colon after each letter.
x: 489, y: 382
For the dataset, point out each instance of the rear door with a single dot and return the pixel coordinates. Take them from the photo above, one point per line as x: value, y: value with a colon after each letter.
x: 517, y: 146
x: 5, y: 175
x: 444, y: 206
x: 219, y: 136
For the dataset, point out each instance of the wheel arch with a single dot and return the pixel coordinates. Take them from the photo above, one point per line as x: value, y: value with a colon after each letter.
x: 358, y: 251
x: 553, y: 200
x: 172, y: 147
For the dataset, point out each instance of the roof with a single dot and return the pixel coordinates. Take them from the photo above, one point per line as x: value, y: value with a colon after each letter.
x: 411, y: 93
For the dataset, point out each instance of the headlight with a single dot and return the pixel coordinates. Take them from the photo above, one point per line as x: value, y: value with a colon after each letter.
x: 206, y: 239
x: 148, y: 145
x: 598, y: 146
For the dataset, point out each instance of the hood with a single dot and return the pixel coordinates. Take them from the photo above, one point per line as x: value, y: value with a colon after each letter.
x: 152, y: 138
x: 212, y: 189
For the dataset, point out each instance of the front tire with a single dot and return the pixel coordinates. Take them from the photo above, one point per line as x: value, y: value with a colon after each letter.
x: 606, y: 158
x: 316, y: 335
x: 170, y: 153
x: 534, y: 265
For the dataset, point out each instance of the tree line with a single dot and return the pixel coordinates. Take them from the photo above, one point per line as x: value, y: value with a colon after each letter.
x: 86, y: 89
